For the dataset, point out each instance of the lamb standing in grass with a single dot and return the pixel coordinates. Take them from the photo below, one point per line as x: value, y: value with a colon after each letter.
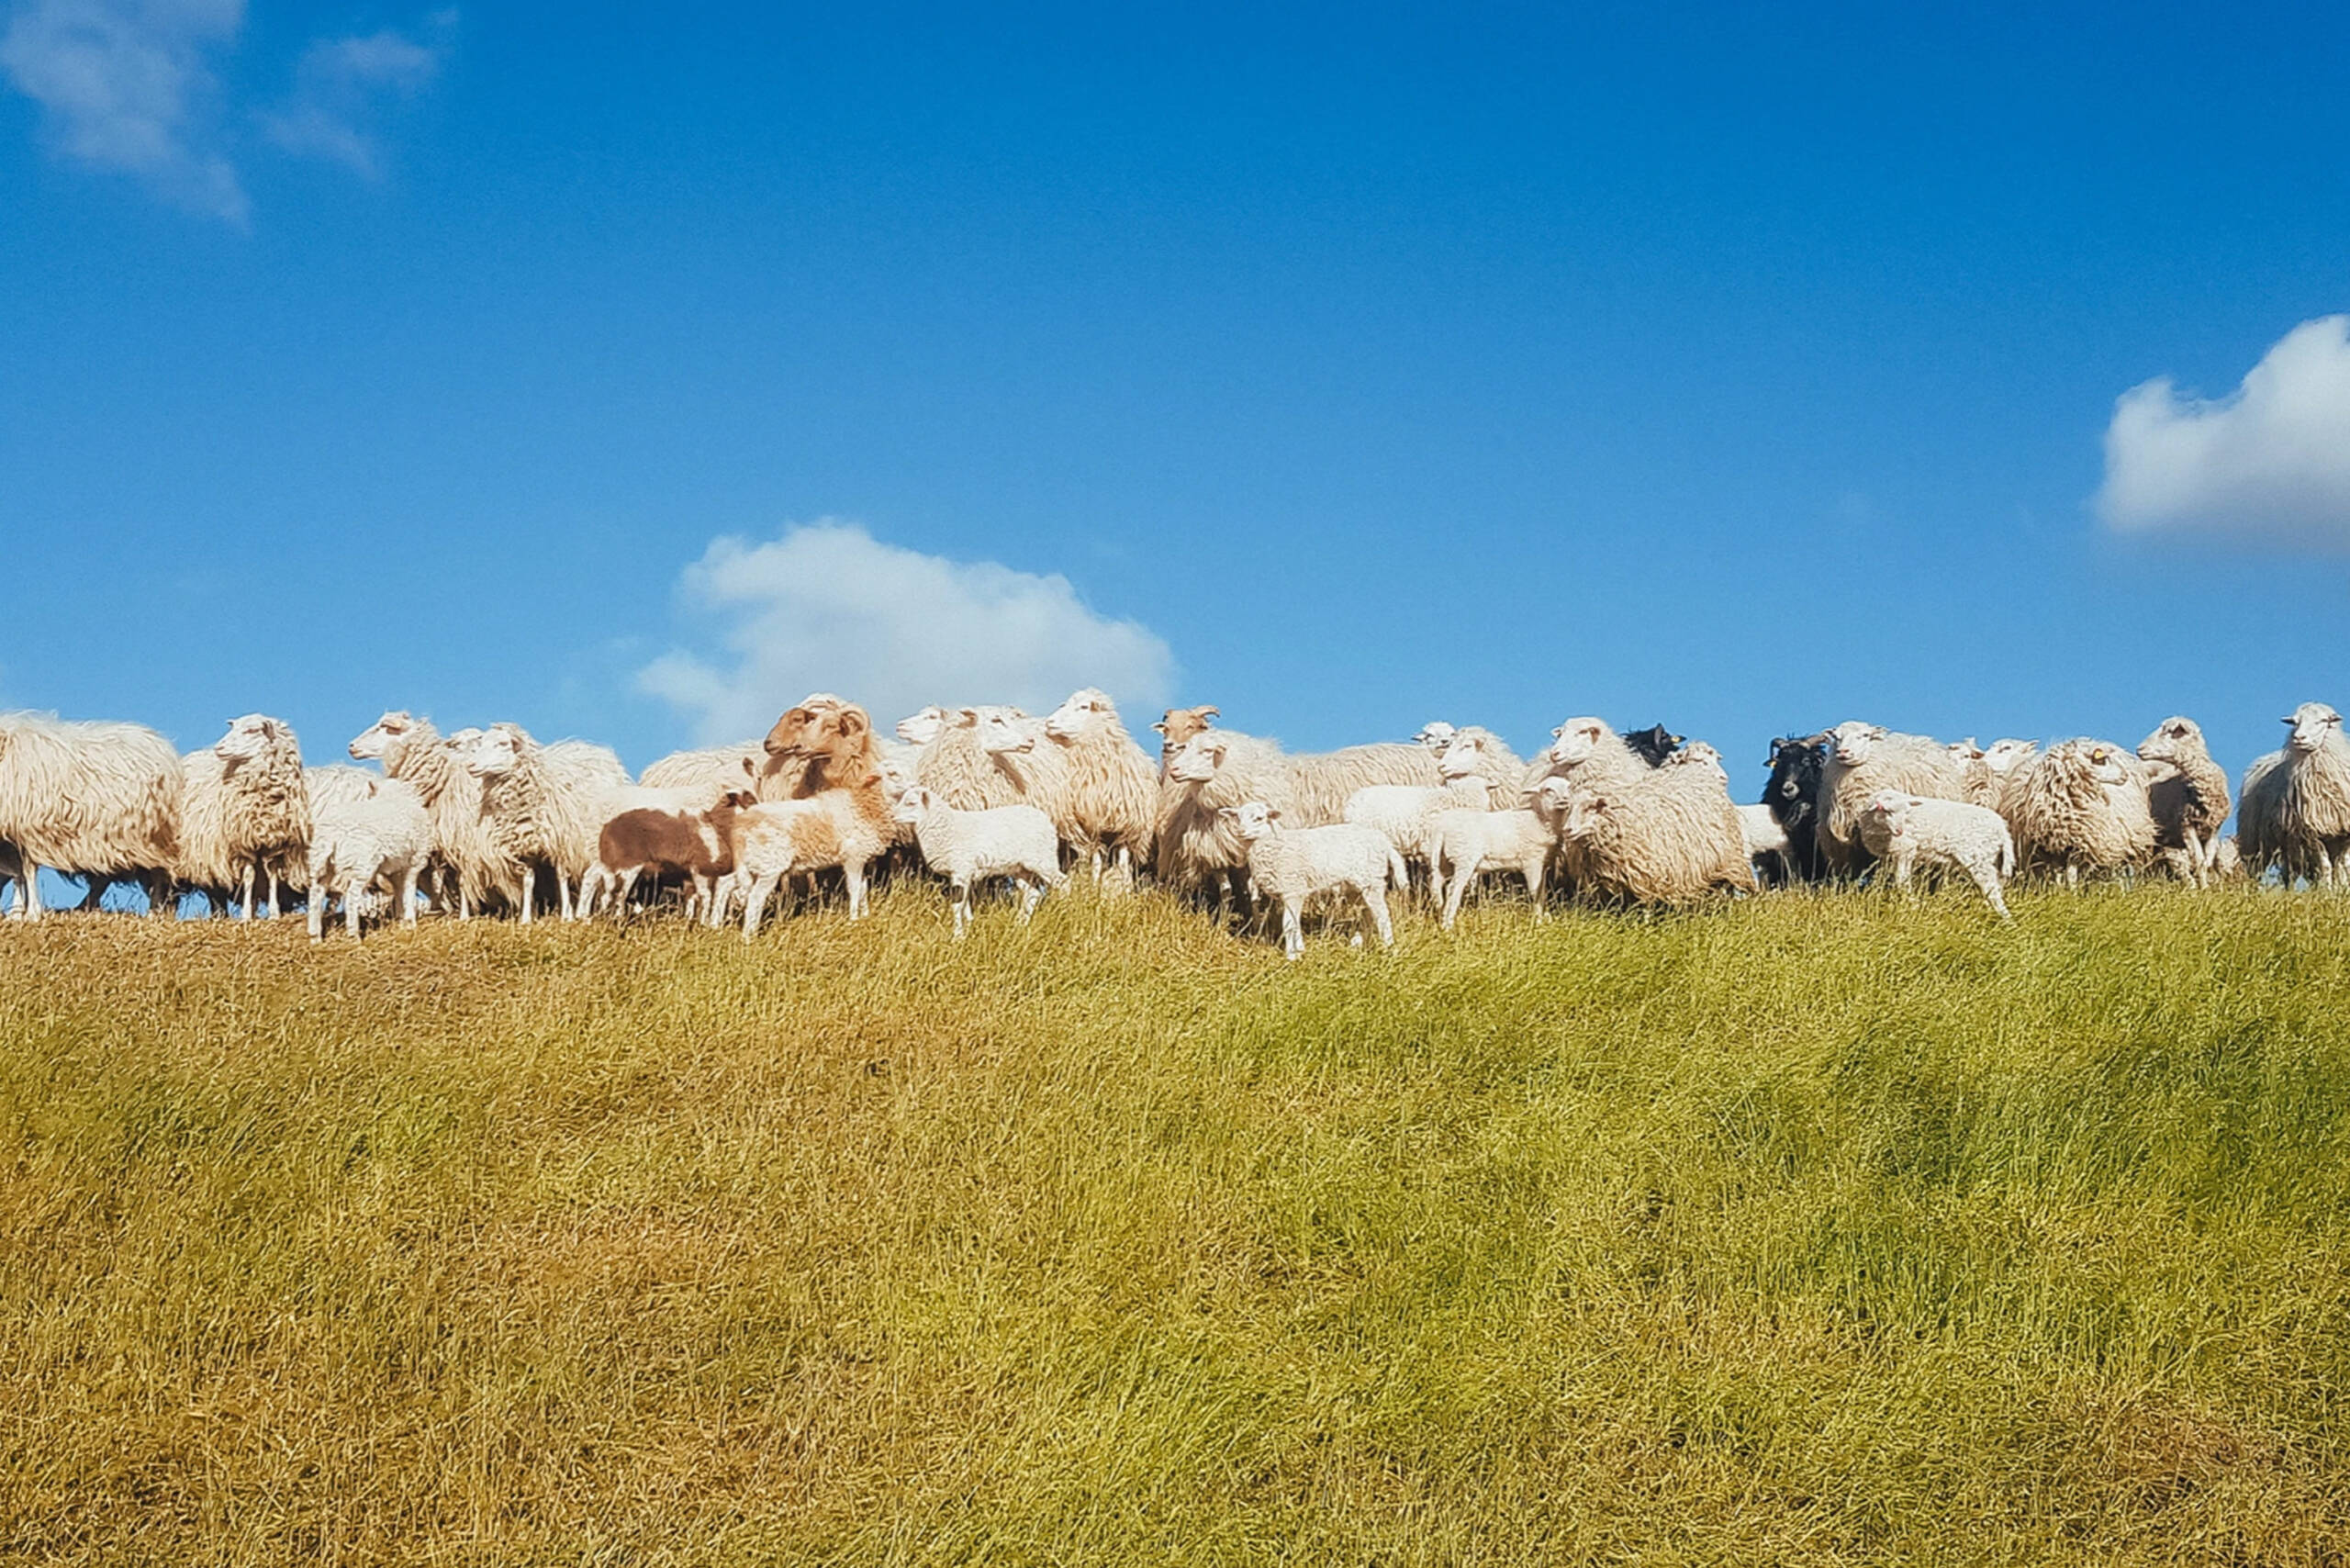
x: 380, y: 840
x: 1911, y: 831
x: 968, y: 847
x: 1292, y: 865
x: 1469, y: 842
x: 1862, y: 758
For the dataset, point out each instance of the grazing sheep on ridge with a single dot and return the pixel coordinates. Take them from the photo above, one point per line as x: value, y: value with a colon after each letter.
x: 1292, y: 865
x: 2294, y: 813
x: 358, y: 843
x: 2080, y: 808
x: 2188, y: 795
x: 88, y: 797
x: 1862, y: 758
x: 968, y: 847
x: 1112, y: 787
x: 1910, y: 830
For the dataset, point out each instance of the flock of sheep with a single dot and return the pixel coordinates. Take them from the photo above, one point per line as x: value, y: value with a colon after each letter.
x: 493, y: 821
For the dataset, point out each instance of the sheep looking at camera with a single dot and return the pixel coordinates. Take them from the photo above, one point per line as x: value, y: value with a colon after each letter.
x: 265, y: 806
x: 1198, y: 844
x: 533, y: 819
x: 2294, y: 814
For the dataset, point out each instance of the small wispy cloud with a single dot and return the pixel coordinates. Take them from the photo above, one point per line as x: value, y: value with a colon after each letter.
x: 828, y: 607
x: 2271, y: 461
x: 133, y: 86
x: 126, y: 84
x: 339, y: 83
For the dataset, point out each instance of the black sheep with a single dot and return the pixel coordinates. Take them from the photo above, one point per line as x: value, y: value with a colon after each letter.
x: 1653, y: 744
x: 1793, y: 795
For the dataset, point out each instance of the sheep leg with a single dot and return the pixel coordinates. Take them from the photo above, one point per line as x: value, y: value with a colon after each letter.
x: 350, y: 897
x: 315, y: 917
x: 1375, y: 899
x: 853, y: 873
x: 755, y: 903
x: 563, y: 893
x: 1463, y: 873
x: 96, y: 886
x: 29, y: 889
x: 1032, y: 893
x: 962, y: 891
x: 408, y: 894
x: 530, y: 890
x: 1292, y: 929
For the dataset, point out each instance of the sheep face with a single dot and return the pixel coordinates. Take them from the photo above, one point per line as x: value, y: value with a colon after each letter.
x: 1085, y: 713
x: 1178, y: 726
x: 790, y: 734
x: 1252, y: 820
x: 921, y: 729
x: 1575, y: 741
x: 370, y: 742
x: 2313, y: 723
x: 913, y: 804
x: 1584, y: 815
x: 1891, y: 805
x: 2002, y: 756
x: 1795, y: 774
x: 1653, y: 744
x: 1459, y: 757
x: 818, y: 731
x: 1852, y: 743
x: 488, y: 752
x: 1196, y: 761
x: 1699, y: 755
x: 2172, y: 738
x: 1437, y: 736
x: 247, y: 738
x: 1001, y: 730
x: 1554, y: 797
x: 1966, y: 751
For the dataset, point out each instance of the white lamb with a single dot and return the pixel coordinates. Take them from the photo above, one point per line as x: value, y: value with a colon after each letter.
x: 381, y: 840
x: 1912, y: 830
x: 1406, y: 815
x: 1294, y: 864
x: 968, y: 847
x: 1468, y: 842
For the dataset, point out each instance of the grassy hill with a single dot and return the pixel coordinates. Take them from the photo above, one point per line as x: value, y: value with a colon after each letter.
x: 1813, y: 1229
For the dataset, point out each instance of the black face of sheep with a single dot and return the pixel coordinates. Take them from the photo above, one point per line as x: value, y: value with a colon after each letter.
x: 1653, y: 744
x: 1793, y: 795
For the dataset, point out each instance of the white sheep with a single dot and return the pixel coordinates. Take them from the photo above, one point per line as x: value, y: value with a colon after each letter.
x: 1405, y: 814
x: 265, y: 799
x: 1765, y: 838
x: 383, y: 839
x: 1112, y: 784
x: 473, y: 870
x: 94, y: 799
x: 1910, y: 831
x: 710, y: 771
x: 1629, y: 832
x: 968, y: 847
x: 1469, y: 842
x: 533, y: 819
x: 1292, y: 865
x: 2188, y: 794
x: 1862, y: 758
x: 2081, y: 808
x: 1476, y: 753
x: 2294, y: 810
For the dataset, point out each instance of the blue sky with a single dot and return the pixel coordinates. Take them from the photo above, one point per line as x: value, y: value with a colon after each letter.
x: 1745, y: 368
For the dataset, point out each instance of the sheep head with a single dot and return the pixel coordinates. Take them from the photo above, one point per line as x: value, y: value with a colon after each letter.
x: 370, y: 742
x: 1082, y: 714
x: 790, y: 735
x: 1197, y: 759
x: 2175, y: 737
x: 923, y: 727
x: 1460, y: 756
x: 1852, y: 743
x: 2003, y: 756
x: 1180, y: 725
x: 913, y: 804
x: 1575, y: 741
x: 2314, y: 723
x: 488, y: 752
x: 1965, y: 752
x: 1436, y: 734
x: 248, y: 738
x: 1653, y: 744
x: 1003, y: 730
x: 1252, y: 820
x: 1697, y: 754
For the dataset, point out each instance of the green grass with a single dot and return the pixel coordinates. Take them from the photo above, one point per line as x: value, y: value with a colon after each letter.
x: 1812, y: 1229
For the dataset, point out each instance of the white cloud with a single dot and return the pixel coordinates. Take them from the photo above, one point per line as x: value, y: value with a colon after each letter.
x: 830, y: 607
x: 2271, y: 459
x: 121, y: 83
x: 337, y: 83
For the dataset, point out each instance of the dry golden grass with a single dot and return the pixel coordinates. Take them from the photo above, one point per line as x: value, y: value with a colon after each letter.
x: 1816, y: 1229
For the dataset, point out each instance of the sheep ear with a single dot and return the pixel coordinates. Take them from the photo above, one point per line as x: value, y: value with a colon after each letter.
x: 968, y: 715
x: 749, y: 771
x: 852, y: 721
x: 1273, y: 814
x: 1160, y: 726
